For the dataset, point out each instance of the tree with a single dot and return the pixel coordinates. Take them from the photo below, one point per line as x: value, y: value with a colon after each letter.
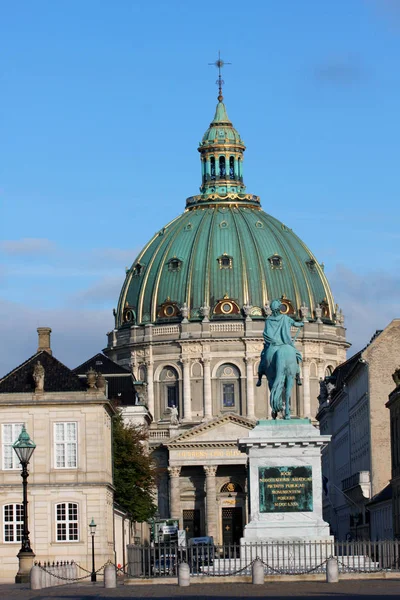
x: 134, y: 470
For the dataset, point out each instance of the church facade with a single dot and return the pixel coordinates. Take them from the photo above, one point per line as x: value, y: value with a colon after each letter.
x: 189, y: 325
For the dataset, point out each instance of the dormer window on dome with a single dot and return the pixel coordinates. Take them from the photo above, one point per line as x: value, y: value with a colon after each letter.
x: 275, y: 261
x: 138, y: 269
x: 129, y: 315
x: 225, y: 261
x: 174, y: 264
x: 311, y: 264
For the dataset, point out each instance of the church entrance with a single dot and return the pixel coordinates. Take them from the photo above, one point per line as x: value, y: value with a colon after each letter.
x: 232, y: 525
x: 191, y: 523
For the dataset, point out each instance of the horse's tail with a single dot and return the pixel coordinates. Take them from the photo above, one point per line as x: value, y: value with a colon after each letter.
x: 277, y: 392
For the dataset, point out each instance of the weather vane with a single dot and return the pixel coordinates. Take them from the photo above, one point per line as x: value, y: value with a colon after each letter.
x: 220, y: 82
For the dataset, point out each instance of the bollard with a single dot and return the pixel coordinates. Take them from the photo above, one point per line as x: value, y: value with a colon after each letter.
x: 110, y: 576
x: 183, y: 574
x: 36, y: 578
x: 332, y: 570
x: 257, y: 572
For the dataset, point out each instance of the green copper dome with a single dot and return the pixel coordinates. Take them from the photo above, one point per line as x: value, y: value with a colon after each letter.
x: 224, y: 257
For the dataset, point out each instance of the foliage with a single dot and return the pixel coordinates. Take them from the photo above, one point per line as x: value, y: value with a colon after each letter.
x: 134, y: 470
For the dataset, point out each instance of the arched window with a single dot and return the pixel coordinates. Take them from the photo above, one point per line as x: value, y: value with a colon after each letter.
x: 231, y: 167
x: 169, y: 388
x: 67, y: 525
x: 228, y: 376
x: 212, y: 167
x: 328, y: 371
x: 13, y: 519
x: 222, y: 167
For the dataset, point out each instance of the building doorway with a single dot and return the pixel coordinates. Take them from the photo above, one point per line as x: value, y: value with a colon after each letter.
x: 191, y: 523
x: 232, y: 525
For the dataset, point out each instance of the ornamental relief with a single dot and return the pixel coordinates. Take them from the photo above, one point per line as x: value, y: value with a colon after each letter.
x: 191, y: 349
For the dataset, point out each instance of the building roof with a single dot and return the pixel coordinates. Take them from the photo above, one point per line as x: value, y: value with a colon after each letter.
x: 57, y: 378
x: 383, y: 496
x: 101, y: 363
x: 120, y: 381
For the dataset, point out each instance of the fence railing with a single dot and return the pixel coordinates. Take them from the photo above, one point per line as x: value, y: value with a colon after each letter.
x: 278, y: 558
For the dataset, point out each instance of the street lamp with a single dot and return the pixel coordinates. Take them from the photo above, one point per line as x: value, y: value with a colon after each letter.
x: 24, y: 448
x: 92, y: 527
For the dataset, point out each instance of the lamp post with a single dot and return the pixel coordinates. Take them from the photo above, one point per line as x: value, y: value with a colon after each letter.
x: 24, y: 448
x: 92, y: 527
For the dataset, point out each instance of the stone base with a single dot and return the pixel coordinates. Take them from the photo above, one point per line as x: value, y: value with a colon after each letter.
x: 285, y: 471
x: 25, y: 566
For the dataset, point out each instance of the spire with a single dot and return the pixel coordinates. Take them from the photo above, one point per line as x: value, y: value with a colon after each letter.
x: 221, y: 151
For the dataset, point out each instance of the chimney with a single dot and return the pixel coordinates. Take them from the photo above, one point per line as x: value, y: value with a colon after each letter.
x: 44, y: 339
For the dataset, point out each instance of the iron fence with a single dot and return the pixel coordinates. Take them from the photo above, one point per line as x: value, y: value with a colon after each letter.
x: 279, y: 558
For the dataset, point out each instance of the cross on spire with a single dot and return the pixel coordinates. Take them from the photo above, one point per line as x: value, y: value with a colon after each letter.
x: 220, y: 82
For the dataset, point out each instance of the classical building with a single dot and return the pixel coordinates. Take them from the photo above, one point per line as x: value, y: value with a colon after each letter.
x: 357, y: 463
x: 189, y: 326
x: 394, y: 408
x: 70, y: 473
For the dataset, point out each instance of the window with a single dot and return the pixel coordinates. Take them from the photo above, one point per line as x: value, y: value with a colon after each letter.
x: 172, y: 395
x: 212, y: 167
x: 67, y: 522
x: 10, y: 434
x: 13, y: 522
x: 275, y: 261
x: 65, y: 436
x: 228, y: 395
x: 231, y: 167
x: 222, y: 169
x: 225, y: 261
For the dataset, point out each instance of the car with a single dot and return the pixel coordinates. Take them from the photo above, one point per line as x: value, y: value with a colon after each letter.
x: 166, y: 564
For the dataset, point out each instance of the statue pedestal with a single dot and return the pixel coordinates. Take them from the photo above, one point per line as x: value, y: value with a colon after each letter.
x: 285, y: 483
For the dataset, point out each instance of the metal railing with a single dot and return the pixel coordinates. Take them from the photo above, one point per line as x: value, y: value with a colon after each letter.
x: 278, y: 558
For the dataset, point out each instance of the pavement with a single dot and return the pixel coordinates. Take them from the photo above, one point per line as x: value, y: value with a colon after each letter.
x: 359, y: 589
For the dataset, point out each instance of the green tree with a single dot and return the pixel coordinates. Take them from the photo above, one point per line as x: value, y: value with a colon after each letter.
x: 134, y: 470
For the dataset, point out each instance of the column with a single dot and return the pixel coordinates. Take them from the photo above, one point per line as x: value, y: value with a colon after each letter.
x: 250, y: 387
x: 175, y: 493
x: 211, y: 501
x: 306, y: 388
x: 187, y: 400
x: 207, y: 388
x: 150, y: 386
x: 321, y: 368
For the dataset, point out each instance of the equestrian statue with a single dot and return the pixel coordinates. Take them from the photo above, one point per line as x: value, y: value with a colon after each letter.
x: 280, y: 361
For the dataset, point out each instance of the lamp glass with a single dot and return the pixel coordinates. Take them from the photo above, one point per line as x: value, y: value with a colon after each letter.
x: 24, y: 447
x: 92, y: 527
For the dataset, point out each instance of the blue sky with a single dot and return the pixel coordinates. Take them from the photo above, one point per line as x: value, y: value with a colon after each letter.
x: 104, y: 104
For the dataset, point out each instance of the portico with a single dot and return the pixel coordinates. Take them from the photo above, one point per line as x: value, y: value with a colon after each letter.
x: 208, y: 479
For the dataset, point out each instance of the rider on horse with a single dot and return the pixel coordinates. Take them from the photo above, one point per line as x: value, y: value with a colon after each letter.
x: 277, y: 332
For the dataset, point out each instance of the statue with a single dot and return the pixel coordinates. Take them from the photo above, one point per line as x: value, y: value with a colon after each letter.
x: 174, y: 415
x: 205, y: 312
x: 184, y: 312
x: 101, y: 382
x: 38, y: 377
x: 91, y: 377
x: 279, y: 358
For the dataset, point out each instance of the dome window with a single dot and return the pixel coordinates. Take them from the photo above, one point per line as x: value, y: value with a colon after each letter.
x: 311, y: 264
x: 168, y: 310
x: 138, y: 269
x: 275, y: 261
x: 129, y: 315
x: 287, y: 307
x: 174, y: 264
x: 225, y: 261
x: 226, y: 307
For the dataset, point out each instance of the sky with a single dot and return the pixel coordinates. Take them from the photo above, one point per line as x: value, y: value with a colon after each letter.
x: 103, y: 105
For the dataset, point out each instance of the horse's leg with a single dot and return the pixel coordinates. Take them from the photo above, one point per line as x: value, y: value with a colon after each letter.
x: 289, y: 386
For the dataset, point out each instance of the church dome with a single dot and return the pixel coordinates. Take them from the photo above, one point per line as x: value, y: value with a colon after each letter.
x: 224, y: 257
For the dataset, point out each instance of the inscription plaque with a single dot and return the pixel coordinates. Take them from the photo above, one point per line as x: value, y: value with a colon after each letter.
x: 285, y: 489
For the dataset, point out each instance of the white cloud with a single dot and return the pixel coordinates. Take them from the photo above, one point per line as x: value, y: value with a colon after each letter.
x: 105, y: 290
x: 28, y: 246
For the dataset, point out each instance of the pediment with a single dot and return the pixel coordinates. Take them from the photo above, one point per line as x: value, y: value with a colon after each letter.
x: 221, y: 431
